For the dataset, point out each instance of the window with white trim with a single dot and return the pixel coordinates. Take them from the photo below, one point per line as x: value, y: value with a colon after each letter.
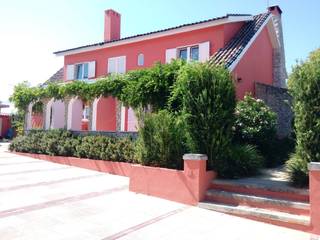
x: 117, y: 64
x: 140, y: 59
x: 82, y: 70
x: 189, y: 53
x: 194, y: 53
x: 183, y: 53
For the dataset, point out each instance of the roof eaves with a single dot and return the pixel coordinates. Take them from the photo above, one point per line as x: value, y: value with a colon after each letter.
x: 154, y: 32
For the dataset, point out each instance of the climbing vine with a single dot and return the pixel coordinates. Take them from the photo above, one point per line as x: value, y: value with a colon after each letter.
x: 136, y: 88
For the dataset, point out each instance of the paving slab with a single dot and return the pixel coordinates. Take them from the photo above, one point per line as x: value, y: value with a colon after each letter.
x: 44, y: 200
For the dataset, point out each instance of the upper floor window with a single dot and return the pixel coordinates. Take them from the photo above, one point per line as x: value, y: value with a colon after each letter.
x: 194, y: 53
x: 140, y: 59
x: 117, y: 64
x: 82, y: 71
x: 189, y: 53
x: 183, y: 53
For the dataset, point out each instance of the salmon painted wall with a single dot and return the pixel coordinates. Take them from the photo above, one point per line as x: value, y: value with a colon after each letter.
x: 255, y: 65
x: 106, y: 117
x: 230, y: 30
x: 154, y: 49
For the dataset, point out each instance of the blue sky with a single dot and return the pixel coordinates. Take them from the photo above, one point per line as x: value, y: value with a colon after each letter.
x: 31, y: 30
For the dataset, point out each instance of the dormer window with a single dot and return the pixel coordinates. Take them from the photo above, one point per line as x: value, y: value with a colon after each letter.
x: 82, y: 71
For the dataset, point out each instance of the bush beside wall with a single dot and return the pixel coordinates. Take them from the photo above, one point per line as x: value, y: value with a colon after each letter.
x: 63, y: 143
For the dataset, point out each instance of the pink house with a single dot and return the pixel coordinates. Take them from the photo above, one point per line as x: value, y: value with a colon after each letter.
x: 250, y: 46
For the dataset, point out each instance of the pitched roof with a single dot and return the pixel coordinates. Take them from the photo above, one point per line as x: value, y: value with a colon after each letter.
x: 58, y: 76
x: 228, y: 54
x: 158, y: 31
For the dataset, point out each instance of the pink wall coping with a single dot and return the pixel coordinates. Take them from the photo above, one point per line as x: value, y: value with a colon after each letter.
x: 186, y: 186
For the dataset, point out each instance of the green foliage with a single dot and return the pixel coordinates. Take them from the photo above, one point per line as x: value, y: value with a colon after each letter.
x: 304, y: 86
x: 151, y: 86
x: 161, y: 140
x: 256, y: 124
x: 23, y: 94
x: 298, y: 171
x: 63, y: 143
x: 137, y: 88
x: 17, y: 122
x: 243, y: 161
x: 207, y: 96
x: 255, y: 121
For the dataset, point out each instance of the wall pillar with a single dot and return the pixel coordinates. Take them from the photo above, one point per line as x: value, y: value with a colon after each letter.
x: 45, y: 113
x: 314, y: 191
x: 118, y: 115
x: 28, y: 117
x: 90, y: 104
x: 195, y: 169
x: 66, y: 109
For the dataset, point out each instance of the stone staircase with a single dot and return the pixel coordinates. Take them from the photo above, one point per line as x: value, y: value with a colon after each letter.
x: 263, y: 200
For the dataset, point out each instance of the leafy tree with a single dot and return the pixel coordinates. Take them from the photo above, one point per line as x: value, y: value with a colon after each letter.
x: 304, y: 86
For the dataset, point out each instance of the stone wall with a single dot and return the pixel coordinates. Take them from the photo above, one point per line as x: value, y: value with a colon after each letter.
x: 279, y: 100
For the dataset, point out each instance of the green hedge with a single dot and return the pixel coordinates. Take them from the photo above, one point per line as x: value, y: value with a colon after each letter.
x: 63, y: 143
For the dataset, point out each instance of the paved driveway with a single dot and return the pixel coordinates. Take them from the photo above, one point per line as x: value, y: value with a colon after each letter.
x: 43, y: 200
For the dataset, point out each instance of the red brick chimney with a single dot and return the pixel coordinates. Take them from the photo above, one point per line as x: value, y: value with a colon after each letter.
x: 112, y: 21
x: 275, y: 10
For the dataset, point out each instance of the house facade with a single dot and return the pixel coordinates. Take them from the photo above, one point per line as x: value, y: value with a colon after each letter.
x: 250, y: 46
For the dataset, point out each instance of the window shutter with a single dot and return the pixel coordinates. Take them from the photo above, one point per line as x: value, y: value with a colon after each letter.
x: 111, y: 65
x: 171, y: 54
x: 70, y: 72
x: 92, y: 69
x: 121, y: 64
x: 204, y: 51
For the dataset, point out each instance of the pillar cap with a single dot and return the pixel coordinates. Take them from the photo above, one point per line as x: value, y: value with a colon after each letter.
x: 192, y: 156
x: 314, y: 166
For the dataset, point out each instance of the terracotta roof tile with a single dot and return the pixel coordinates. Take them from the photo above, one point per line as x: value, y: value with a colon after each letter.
x: 227, y: 55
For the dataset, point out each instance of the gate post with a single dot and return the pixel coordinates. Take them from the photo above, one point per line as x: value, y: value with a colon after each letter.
x: 314, y: 188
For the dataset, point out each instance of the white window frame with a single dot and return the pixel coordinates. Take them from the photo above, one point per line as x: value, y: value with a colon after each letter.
x: 117, y: 66
x: 188, y: 48
x: 141, y: 59
x: 76, y: 69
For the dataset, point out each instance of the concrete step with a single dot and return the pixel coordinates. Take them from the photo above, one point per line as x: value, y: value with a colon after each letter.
x: 288, y: 206
x: 293, y: 221
x: 262, y: 187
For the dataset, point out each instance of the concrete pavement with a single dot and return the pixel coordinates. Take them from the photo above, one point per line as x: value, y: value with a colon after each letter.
x: 43, y: 200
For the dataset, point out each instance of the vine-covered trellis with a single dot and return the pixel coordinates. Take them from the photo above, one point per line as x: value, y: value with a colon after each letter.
x: 135, y: 88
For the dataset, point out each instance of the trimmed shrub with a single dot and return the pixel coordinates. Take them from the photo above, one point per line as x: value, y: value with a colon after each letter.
x: 63, y: 143
x: 255, y: 124
x: 161, y: 140
x: 298, y: 171
x: 207, y: 96
x: 243, y: 161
